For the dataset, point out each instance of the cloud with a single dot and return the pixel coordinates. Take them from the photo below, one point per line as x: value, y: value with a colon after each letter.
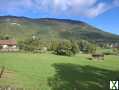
x: 97, y: 10
x: 116, y: 2
x: 87, y: 8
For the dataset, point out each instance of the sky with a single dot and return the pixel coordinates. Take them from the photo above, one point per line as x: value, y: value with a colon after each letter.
x: 103, y: 14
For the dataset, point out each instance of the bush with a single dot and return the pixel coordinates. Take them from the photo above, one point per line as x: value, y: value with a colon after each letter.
x: 67, y: 48
x: 64, y: 52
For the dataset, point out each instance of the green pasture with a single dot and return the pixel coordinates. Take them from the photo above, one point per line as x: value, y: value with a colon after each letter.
x: 52, y: 72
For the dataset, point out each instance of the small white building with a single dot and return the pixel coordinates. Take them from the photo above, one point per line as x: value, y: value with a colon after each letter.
x: 8, y: 45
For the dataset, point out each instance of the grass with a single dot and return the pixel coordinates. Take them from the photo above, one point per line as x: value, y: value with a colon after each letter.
x: 52, y: 72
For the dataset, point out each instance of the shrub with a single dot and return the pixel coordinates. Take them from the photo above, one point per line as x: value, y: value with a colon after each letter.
x: 67, y: 48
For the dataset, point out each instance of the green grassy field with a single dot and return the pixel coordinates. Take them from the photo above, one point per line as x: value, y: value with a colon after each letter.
x: 51, y: 72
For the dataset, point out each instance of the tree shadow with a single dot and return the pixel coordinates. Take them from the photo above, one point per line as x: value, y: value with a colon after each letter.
x: 76, y: 77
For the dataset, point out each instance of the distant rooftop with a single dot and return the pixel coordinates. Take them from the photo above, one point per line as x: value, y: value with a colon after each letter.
x: 8, y: 42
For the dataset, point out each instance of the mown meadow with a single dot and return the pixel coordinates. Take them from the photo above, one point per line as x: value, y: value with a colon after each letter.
x: 52, y: 72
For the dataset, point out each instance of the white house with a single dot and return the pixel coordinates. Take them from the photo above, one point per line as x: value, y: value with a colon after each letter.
x: 8, y: 45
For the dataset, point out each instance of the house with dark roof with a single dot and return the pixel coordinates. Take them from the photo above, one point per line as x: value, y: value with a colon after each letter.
x: 8, y: 45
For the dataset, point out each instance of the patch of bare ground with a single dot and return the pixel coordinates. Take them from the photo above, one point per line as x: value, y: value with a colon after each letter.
x: 6, y: 73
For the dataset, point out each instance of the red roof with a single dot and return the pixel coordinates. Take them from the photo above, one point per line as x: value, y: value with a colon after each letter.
x: 8, y: 42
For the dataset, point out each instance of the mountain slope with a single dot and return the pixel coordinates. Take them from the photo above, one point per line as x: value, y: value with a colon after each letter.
x: 22, y: 27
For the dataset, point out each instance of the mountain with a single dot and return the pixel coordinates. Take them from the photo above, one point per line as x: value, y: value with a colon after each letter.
x: 49, y: 28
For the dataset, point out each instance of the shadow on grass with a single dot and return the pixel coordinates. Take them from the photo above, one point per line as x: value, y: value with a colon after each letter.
x: 76, y: 77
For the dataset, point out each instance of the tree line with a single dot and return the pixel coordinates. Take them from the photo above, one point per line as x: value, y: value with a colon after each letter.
x: 58, y: 46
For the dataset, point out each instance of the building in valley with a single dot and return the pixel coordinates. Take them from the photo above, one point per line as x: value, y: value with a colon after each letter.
x: 8, y: 45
